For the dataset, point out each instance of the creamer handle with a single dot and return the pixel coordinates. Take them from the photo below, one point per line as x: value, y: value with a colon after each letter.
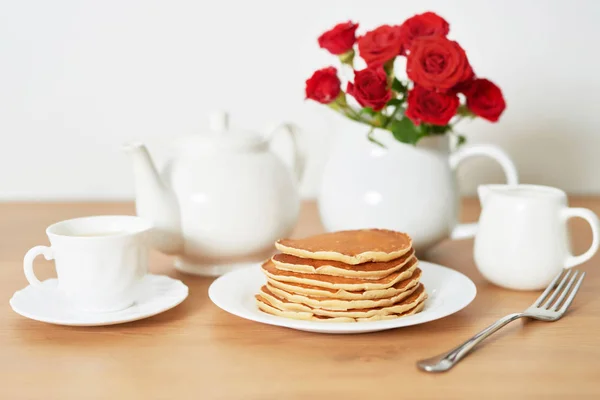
x: 592, y: 219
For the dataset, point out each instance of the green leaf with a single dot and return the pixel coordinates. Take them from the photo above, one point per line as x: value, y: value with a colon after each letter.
x: 399, y: 87
x: 405, y: 131
x: 368, y: 111
x: 395, y: 102
x: 460, y: 140
x: 438, y: 129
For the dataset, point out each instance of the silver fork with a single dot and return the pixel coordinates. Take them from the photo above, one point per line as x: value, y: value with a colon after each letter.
x: 549, y: 311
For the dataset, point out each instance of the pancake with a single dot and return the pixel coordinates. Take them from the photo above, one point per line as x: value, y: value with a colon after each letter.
x: 341, y: 305
x: 341, y: 294
x: 266, y: 306
x: 339, y: 282
x: 417, y: 309
x: 400, y: 307
x: 350, y: 247
x: 269, y: 309
x: 368, y: 270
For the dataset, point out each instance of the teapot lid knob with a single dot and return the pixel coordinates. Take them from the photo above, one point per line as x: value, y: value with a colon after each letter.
x: 219, y: 121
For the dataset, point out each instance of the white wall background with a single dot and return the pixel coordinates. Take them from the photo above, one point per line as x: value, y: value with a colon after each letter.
x: 78, y: 78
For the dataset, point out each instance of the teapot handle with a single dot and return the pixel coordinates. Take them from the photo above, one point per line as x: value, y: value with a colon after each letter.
x: 465, y: 231
x: 299, y: 161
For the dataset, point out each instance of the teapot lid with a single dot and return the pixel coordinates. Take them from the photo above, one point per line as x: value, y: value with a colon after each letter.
x: 221, y: 137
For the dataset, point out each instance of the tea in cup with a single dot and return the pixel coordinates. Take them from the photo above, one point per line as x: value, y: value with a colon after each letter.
x: 99, y: 260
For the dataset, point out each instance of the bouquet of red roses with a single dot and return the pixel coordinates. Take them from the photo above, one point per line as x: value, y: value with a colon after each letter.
x: 441, y: 88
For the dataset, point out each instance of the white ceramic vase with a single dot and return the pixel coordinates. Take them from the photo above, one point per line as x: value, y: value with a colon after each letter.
x: 401, y: 187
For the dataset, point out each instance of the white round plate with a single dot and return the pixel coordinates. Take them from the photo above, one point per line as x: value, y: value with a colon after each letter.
x: 449, y: 291
x: 158, y: 293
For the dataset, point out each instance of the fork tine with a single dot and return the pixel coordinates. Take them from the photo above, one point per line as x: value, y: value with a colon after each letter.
x: 569, y: 299
x: 563, y: 294
x: 564, y: 280
x: 548, y: 290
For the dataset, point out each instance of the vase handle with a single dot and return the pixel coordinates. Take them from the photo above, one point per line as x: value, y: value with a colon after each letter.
x: 465, y: 231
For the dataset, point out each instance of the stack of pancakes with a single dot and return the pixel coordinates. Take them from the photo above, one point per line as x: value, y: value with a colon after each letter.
x: 347, y: 276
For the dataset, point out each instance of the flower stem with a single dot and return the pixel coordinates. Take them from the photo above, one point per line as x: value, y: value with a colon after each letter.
x: 348, y: 111
x: 356, y: 114
x: 372, y: 138
x: 347, y: 58
x: 392, y: 116
x: 457, y: 120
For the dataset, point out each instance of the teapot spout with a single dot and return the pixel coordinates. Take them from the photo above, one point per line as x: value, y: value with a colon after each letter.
x: 155, y: 201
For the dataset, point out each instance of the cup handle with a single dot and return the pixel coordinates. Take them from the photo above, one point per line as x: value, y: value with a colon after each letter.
x: 299, y: 157
x: 592, y: 219
x: 465, y: 231
x: 28, y: 262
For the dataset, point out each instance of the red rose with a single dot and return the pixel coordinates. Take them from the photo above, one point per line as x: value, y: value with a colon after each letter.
x: 484, y: 99
x: 431, y: 107
x: 323, y: 86
x: 380, y: 45
x: 340, y: 39
x: 370, y: 88
x: 435, y: 62
x: 427, y: 24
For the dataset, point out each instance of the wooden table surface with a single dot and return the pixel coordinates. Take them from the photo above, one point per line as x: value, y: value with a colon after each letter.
x: 197, y: 351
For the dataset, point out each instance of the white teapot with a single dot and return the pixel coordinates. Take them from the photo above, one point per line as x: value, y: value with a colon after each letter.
x: 221, y: 201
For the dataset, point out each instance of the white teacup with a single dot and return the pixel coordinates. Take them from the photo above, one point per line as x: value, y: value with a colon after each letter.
x: 99, y: 260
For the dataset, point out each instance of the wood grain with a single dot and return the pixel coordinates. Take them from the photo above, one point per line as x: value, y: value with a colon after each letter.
x: 197, y: 351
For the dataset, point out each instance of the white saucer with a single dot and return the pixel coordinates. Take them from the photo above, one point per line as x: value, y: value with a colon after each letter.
x: 449, y: 291
x: 158, y: 293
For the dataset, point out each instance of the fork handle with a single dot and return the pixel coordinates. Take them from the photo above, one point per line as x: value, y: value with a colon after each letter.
x: 445, y: 361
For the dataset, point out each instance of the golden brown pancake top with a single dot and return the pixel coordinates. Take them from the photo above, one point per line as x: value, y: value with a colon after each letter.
x: 368, y: 266
x: 353, y: 242
x: 270, y: 267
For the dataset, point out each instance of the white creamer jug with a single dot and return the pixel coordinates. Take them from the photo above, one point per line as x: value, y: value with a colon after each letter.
x: 523, y: 241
